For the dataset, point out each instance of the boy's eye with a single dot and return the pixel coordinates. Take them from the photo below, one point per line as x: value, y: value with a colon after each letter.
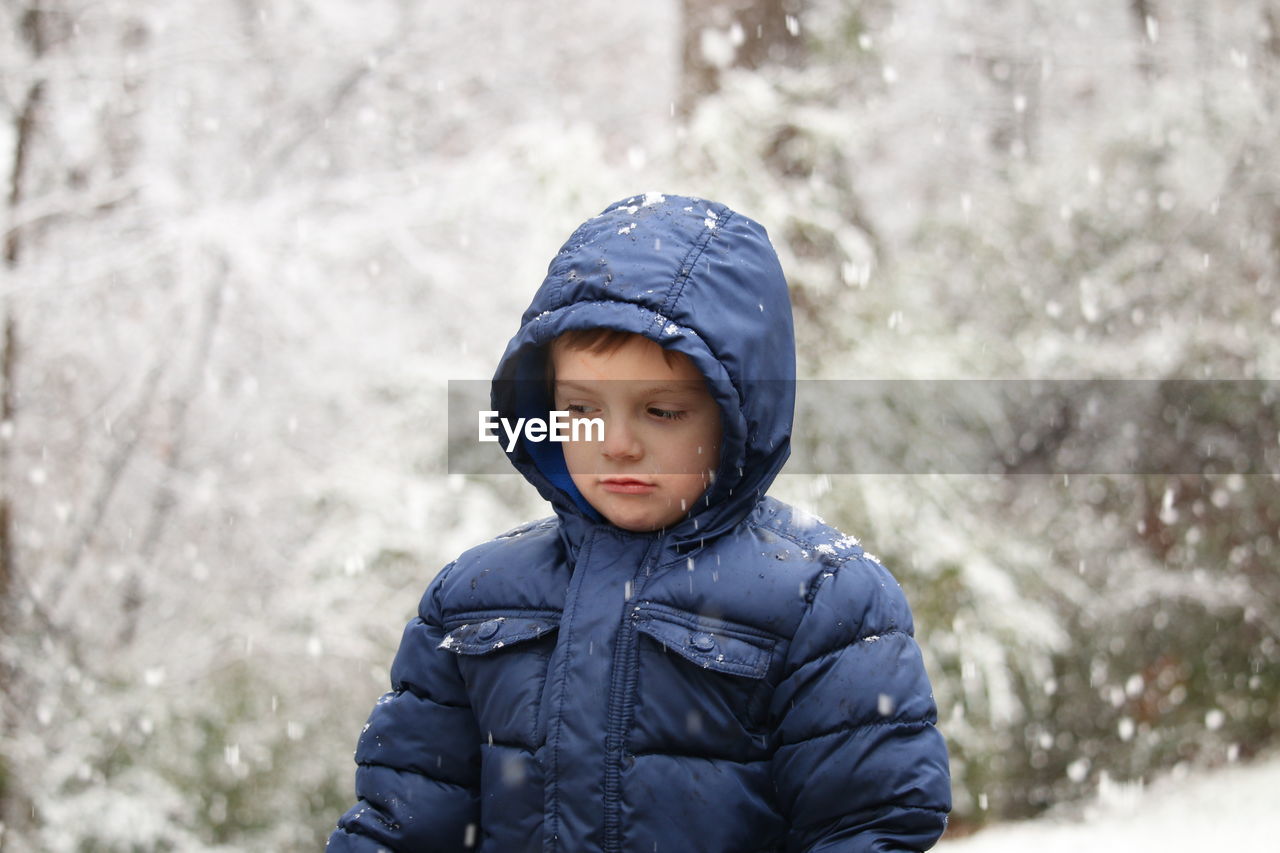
x: 667, y: 414
x: 577, y: 408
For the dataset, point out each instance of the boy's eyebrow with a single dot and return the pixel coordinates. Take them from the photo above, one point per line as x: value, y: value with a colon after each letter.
x: 566, y: 384
x: 685, y: 387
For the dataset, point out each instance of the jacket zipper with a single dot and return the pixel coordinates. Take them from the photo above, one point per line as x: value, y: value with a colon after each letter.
x: 551, y: 829
x: 621, y: 687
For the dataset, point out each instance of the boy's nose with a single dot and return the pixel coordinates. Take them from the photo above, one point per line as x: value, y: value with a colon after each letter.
x: 620, y: 442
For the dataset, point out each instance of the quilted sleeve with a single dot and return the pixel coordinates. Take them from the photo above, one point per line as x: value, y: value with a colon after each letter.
x: 418, y: 758
x: 859, y: 764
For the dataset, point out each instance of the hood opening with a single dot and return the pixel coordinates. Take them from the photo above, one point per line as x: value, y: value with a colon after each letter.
x: 691, y: 276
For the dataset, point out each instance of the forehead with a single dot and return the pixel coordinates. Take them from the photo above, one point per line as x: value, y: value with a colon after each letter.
x: 637, y: 360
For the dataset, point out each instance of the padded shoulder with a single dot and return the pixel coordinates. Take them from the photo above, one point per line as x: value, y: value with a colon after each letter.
x: 810, y: 532
x: 857, y: 602
x: 537, y: 525
x: 516, y: 570
x: 851, y: 597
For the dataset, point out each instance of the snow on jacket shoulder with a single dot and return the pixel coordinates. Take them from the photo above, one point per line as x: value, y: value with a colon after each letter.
x: 746, y: 680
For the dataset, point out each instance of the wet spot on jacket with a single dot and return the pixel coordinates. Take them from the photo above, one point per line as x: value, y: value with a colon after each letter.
x: 513, y: 771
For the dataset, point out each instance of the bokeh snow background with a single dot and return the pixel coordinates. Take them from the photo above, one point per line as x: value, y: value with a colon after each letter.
x: 248, y: 244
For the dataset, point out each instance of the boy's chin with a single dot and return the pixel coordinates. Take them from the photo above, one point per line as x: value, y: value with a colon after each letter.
x: 639, y: 521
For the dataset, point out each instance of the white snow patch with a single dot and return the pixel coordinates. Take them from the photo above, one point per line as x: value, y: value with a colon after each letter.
x: 803, y: 519
x: 717, y: 47
x: 1190, y: 811
x: 651, y: 199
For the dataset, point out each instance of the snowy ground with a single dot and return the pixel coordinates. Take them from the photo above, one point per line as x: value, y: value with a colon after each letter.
x: 1230, y: 809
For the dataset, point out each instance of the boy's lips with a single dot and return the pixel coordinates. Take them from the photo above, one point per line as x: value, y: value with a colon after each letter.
x: 627, y: 486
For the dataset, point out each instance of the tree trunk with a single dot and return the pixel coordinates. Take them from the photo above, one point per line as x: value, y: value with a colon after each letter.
x: 1148, y: 24
x: 35, y: 34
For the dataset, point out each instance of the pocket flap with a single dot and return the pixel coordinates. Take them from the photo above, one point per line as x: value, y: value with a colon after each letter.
x: 710, y: 643
x: 484, y: 634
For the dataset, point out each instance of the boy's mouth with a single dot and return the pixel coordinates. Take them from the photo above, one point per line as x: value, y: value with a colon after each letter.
x: 627, y: 486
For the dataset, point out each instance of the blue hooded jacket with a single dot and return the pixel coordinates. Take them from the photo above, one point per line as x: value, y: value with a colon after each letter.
x: 745, y: 680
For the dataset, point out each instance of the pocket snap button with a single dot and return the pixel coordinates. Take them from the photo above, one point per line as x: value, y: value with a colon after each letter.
x: 487, y: 629
x: 702, y: 641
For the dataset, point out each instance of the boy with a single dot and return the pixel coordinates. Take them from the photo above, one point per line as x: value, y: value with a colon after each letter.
x: 674, y: 662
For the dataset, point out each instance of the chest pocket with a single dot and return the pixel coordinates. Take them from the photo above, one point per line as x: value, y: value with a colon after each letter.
x: 503, y: 659
x: 701, y: 682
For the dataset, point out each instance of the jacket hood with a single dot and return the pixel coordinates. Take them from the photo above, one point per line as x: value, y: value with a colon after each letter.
x: 692, y: 276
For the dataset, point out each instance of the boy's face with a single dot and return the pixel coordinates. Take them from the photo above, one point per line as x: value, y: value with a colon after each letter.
x: 661, y: 432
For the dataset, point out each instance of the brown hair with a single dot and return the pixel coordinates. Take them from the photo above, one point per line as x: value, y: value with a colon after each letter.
x: 597, y: 340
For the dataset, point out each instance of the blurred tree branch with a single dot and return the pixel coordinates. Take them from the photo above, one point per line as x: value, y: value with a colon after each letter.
x: 721, y: 34
x: 130, y: 433
x: 165, y: 498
